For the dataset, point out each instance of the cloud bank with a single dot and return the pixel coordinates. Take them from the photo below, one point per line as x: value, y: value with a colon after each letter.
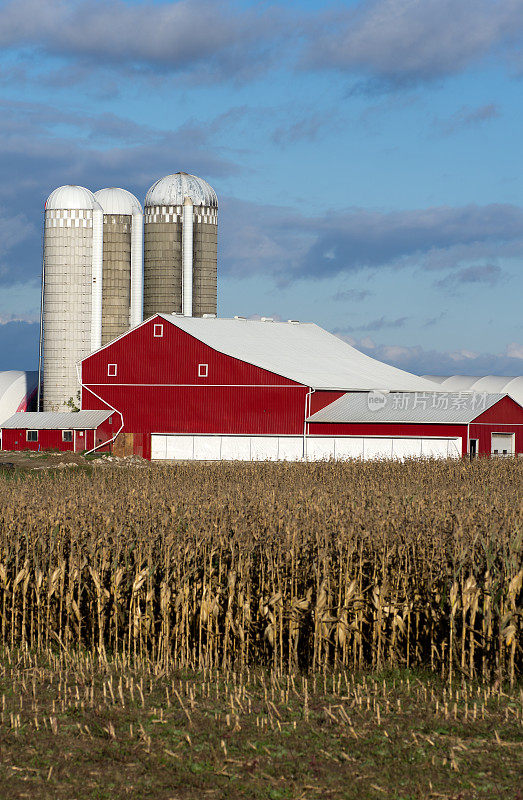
x: 386, y: 43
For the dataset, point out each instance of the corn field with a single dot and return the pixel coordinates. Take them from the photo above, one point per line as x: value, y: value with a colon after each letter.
x: 312, y: 567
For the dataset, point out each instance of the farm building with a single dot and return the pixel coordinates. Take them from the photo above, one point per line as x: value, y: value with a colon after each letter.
x: 210, y: 389
x: 67, y: 431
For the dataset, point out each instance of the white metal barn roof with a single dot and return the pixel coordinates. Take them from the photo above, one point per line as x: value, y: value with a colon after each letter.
x: 57, y: 421
x: 422, y: 407
x: 16, y: 387
x: 512, y: 386
x: 301, y: 352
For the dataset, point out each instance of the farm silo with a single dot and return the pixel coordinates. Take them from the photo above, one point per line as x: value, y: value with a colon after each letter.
x: 122, y: 283
x: 180, y: 247
x: 72, y: 290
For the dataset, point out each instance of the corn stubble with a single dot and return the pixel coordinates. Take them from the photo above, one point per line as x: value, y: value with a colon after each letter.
x: 311, y: 567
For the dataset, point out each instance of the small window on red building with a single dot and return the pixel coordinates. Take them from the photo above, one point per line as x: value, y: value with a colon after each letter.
x: 111, y: 370
x: 203, y: 370
x: 158, y: 331
x: 32, y: 436
x: 67, y: 436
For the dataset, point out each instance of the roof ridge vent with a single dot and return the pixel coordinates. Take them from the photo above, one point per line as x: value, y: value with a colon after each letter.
x: 236, y: 316
x: 293, y: 321
x: 267, y: 319
x: 208, y: 316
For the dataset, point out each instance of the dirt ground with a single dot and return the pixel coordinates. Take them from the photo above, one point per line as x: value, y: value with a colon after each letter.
x: 49, y: 459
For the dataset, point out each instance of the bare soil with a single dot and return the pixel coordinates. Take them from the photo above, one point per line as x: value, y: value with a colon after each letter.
x: 51, y: 459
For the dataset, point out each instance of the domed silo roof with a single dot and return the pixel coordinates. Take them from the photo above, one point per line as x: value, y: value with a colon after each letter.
x: 17, y: 390
x: 490, y: 383
x: 71, y: 197
x: 118, y: 201
x: 171, y: 191
x: 514, y: 387
x: 496, y: 384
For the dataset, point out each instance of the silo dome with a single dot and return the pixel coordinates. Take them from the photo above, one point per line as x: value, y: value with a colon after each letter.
x: 118, y: 201
x: 171, y: 191
x: 71, y: 197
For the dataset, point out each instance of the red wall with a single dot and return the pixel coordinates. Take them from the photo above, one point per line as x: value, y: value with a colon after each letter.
x: 151, y: 391
x: 504, y: 417
x: 388, y: 429
x: 16, y: 439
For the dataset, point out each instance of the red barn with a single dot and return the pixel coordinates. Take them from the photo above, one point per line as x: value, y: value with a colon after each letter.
x: 207, y: 388
x: 74, y: 432
x: 400, y: 424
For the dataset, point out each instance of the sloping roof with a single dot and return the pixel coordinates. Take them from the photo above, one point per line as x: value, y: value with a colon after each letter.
x: 302, y: 352
x: 513, y: 386
x: 59, y: 421
x: 16, y: 388
x: 452, y: 408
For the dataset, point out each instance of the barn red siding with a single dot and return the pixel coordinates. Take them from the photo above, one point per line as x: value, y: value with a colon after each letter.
x: 388, y: 429
x: 235, y: 397
x: 142, y: 358
x: 321, y: 398
x: 505, y: 412
x: 16, y: 439
x: 506, y: 416
x: 484, y: 432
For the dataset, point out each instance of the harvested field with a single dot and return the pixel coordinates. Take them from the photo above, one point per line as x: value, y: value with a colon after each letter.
x: 262, y: 630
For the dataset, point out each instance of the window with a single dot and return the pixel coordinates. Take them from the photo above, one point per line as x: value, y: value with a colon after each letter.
x: 111, y: 370
x: 67, y: 436
x: 32, y: 436
x: 203, y: 370
x: 158, y: 331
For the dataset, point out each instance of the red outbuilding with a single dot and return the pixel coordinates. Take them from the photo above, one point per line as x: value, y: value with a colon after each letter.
x: 207, y: 388
x: 74, y: 432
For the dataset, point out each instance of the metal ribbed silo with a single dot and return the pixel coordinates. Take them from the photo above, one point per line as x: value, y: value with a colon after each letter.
x: 122, y: 285
x: 72, y: 290
x: 180, y: 247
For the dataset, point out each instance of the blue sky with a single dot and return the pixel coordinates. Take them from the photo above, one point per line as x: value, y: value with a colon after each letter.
x: 366, y: 156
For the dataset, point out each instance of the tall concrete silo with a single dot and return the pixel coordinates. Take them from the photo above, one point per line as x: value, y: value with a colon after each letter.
x: 180, y: 247
x: 72, y: 290
x: 122, y: 284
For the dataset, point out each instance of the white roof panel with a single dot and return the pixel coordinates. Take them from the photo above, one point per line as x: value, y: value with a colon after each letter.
x: 60, y: 420
x: 302, y: 352
x: 452, y: 408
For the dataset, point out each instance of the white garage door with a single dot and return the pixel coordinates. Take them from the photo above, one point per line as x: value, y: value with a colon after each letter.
x: 290, y: 448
